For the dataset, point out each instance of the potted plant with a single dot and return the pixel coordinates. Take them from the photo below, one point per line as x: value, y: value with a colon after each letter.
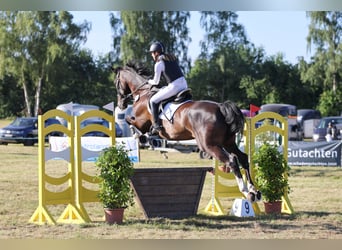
x: 271, y: 172
x: 115, y: 170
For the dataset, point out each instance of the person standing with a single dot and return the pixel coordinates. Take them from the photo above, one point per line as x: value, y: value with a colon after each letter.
x: 332, y: 131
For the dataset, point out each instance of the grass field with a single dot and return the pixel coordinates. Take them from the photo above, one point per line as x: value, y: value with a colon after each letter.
x: 315, y: 196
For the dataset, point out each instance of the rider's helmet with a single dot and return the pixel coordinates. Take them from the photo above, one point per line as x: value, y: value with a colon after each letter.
x: 157, y: 46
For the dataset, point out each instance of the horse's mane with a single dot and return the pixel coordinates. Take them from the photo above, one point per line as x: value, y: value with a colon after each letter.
x: 139, y: 68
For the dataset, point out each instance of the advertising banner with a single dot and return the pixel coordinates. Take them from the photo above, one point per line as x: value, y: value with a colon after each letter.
x: 96, y: 145
x: 314, y: 153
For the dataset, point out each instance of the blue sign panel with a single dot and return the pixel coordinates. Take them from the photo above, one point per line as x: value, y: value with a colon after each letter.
x: 314, y: 153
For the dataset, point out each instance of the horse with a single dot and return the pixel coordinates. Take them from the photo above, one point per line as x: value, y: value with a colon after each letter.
x: 213, y: 125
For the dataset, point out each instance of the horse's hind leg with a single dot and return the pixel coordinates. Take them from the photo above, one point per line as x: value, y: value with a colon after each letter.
x: 231, y: 161
x: 242, y: 158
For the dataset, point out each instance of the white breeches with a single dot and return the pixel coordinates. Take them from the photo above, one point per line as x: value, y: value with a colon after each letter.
x: 171, y: 89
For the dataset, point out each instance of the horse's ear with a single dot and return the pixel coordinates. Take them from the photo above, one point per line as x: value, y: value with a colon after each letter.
x: 115, y: 70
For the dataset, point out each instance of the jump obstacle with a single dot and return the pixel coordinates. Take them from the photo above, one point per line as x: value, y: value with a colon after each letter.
x: 222, y: 186
x: 179, y: 198
x: 169, y: 192
x: 76, y: 194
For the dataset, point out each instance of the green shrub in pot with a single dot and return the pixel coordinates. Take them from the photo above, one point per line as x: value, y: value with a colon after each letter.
x: 115, y: 170
x: 271, y: 172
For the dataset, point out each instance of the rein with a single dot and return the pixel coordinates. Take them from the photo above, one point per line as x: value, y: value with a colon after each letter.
x: 138, y: 88
x: 130, y: 95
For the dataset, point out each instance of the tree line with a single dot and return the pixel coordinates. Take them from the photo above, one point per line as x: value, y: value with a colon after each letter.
x: 43, y: 64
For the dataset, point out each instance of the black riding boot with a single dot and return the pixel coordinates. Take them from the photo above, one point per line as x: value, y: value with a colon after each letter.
x: 156, y: 126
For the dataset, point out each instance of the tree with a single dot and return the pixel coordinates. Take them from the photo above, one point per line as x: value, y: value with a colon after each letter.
x: 80, y: 78
x: 201, y: 79
x: 324, y: 72
x: 224, y: 48
x: 222, y: 29
x: 118, y: 31
x: 238, y: 71
x: 140, y: 28
x: 31, y: 41
x: 10, y: 97
x: 277, y: 81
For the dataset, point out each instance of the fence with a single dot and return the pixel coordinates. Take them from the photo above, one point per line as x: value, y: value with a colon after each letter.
x: 224, y: 185
x: 76, y: 193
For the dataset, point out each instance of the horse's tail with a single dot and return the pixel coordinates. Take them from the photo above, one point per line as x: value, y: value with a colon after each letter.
x: 233, y: 116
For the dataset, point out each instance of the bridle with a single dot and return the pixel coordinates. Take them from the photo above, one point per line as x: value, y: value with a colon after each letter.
x: 121, y: 94
x: 124, y: 97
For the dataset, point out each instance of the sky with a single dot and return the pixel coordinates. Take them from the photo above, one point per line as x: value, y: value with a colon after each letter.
x: 276, y: 31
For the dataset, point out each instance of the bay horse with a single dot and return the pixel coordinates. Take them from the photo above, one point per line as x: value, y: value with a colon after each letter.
x: 213, y: 125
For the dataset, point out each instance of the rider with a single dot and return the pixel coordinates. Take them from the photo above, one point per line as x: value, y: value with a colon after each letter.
x: 167, y: 65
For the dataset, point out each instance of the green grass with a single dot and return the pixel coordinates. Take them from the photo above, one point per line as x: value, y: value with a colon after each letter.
x: 315, y: 196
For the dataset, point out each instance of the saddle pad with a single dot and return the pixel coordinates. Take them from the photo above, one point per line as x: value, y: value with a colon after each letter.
x: 170, y: 109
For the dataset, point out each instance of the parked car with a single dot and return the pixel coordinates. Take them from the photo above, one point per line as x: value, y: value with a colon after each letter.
x: 321, y: 130
x: 24, y: 130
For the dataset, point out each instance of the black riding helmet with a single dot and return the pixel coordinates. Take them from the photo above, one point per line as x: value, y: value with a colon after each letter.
x: 157, y: 46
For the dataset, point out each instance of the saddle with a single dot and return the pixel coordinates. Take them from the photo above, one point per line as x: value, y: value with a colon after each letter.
x: 184, y: 95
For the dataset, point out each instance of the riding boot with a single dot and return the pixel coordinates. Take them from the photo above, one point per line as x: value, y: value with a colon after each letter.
x: 156, y: 126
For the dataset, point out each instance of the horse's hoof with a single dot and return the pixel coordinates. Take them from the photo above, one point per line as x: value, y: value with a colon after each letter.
x: 212, y: 171
x: 258, y: 195
x: 224, y: 169
x: 251, y: 197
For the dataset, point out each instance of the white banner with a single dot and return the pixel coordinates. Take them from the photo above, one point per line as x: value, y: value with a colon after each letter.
x: 93, y: 145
